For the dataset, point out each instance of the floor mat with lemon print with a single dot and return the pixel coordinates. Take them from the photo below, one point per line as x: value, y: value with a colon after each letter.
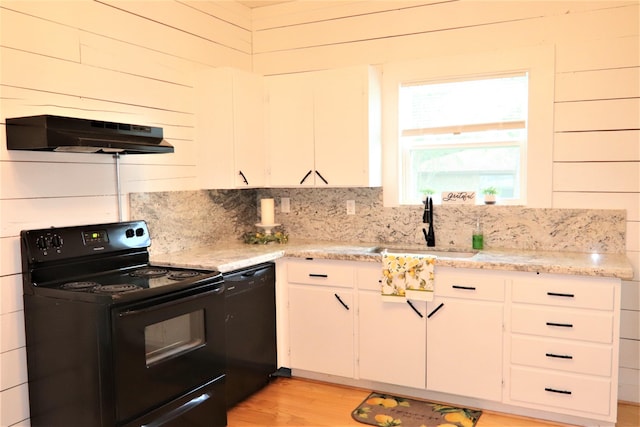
x: 387, y: 411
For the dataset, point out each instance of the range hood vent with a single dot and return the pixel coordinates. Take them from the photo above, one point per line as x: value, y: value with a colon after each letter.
x: 67, y: 134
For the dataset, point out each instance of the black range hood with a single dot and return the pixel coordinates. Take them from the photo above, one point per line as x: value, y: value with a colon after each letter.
x: 67, y: 134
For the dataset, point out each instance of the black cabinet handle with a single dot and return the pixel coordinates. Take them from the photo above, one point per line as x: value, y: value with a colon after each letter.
x: 553, y: 390
x: 561, y: 325
x: 415, y: 309
x: 559, y: 356
x: 305, y: 177
x: 465, y: 288
x: 341, y: 302
x: 322, y: 177
x: 244, y: 178
x: 557, y: 294
x: 434, y: 311
x: 318, y: 275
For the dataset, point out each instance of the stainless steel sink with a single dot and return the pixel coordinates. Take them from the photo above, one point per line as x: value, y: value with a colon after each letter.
x: 426, y: 251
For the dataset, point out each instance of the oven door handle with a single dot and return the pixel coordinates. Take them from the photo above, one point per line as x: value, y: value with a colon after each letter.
x: 153, y: 307
x: 178, y: 411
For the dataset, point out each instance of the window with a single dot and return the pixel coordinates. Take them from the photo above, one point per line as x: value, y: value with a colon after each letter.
x: 463, y: 135
x: 451, y: 146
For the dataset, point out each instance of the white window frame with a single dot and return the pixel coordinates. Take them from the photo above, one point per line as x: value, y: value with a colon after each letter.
x: 537, y: 61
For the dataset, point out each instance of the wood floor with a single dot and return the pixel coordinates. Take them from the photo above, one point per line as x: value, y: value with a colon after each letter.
x: 298, y: 402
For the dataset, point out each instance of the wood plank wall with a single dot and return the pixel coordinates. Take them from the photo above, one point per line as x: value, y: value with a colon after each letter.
x: 133, y: 61
x: 596, y: 147
x: 122, y: 61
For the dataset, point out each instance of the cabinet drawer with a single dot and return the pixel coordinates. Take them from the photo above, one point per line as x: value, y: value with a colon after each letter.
x: 594, y: 326
x: 312, y: 272
x: 369, y: 277
x: 562, y: 391
x: 469, y: 283
x: 565, y: 291
x: 569, y: 356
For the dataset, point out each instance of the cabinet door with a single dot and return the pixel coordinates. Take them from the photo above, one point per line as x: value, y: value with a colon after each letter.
x: 248, y: 130
x: 229, y: 128
x: 290, y: 130
x: 391, y: 340
x: 214, y: 129
x: 464, y: 348
x: 321, y: 327
x: 340, y: 118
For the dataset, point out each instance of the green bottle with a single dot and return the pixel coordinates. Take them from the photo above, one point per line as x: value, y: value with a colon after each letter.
x: 477, y: 240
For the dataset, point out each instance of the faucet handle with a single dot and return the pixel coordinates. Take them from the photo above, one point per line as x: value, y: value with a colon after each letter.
x: 426, y: 215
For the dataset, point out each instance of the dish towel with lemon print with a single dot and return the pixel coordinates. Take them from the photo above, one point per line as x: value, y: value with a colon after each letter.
x: 407, y: 277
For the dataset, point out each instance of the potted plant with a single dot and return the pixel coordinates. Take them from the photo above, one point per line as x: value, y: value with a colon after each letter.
x: 426, y: 192
x: 490, y: 195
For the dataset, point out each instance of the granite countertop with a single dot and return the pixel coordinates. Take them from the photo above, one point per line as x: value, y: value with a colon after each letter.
x: 230, y: 256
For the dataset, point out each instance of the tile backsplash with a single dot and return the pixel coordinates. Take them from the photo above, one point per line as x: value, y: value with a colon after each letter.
x: 184, y: 219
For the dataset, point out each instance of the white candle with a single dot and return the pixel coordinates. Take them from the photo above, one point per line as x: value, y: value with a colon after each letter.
x: 267, y: 212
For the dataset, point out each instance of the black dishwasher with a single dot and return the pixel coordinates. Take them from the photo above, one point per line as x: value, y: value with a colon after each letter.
x: 251, y: 330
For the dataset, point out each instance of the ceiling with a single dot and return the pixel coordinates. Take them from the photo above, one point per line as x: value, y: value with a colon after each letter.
x: 260, y: 3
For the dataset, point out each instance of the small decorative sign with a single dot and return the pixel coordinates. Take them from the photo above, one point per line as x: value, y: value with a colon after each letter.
x: 458, y: 197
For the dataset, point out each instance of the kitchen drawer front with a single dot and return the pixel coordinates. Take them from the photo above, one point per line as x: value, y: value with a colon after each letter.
x: 586, y: 325
x: 569, y: 356
x: 323, y: 273
x: 569, y: 291
x: 369, y: 277
x: 469, y: 283
x: 562, y: 391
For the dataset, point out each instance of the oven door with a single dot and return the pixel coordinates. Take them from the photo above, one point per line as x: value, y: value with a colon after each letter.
x: 166, y: 347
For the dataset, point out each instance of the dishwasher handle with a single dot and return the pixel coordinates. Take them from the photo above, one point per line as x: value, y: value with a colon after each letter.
x: 240, y: 281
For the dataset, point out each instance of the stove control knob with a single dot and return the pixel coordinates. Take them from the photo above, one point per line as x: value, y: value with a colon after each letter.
x: 56, y: 241
x: 41, y: 243
x: 129, y: 233
x: 140, y: 232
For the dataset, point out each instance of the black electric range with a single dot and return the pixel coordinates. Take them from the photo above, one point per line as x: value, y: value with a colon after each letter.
x: 115, y: 341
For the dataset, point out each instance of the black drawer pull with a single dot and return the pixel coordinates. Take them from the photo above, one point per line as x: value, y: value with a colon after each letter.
x: 322, y: 178
x: 244, y: 178
x: 434, y: 311
x: 466, y: 288
x: 562, y: 325
x: 559, y: 356
x: 341, y: 302
x: 414, y: 308
x: 557, y: 294
x: 305, y: 177
x: 318, y: 275
x: 553, y: 390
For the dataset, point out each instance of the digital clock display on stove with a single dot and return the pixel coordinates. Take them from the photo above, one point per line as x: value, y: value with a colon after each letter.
x: 95, y: 237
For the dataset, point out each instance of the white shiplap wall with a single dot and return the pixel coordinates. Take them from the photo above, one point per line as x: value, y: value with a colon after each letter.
x: 122, y: 61
x: 133, y: 61
x: 596, y: 146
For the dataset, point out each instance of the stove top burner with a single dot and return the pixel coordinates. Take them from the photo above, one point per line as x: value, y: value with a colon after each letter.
x: 181, y: 275
x: 115, y: 289
x: 80, y: 286
x: 149, y: 272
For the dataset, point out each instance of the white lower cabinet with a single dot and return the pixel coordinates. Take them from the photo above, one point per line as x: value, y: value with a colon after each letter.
x: 563, y: 338
x: 559, y: 391
x: 321, y: 317
x: 391, y: 335
x: 464, y: 334
x: 540, y: 345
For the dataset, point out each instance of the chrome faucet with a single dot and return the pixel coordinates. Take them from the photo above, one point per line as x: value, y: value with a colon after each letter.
x: 427, y: 218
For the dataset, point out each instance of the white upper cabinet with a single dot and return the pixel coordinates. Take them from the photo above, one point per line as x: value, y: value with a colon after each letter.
x: 289, y: 129
x: 230, y: 129
x: 323, y: 128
